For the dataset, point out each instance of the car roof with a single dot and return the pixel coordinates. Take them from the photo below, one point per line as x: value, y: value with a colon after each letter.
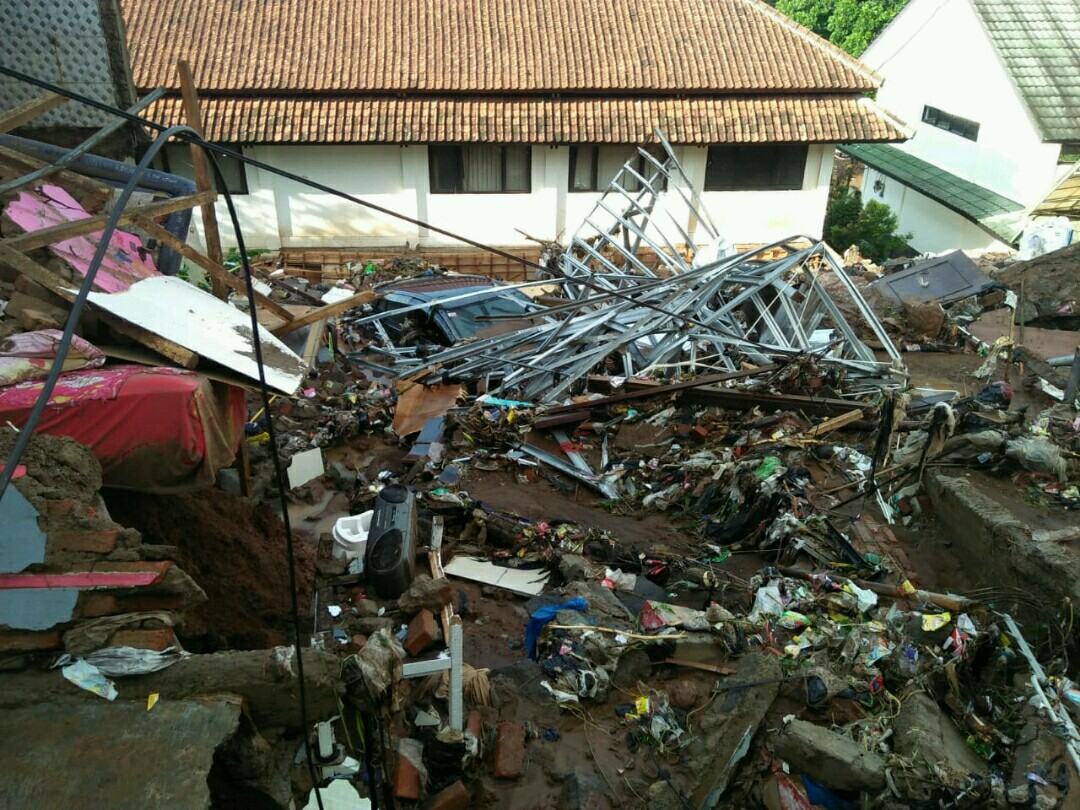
x: 440, y: 286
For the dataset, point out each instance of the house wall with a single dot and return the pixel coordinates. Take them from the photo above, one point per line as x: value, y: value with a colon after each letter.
x: 936, y: 53
x: 934, y: 227
x: 279, y: 212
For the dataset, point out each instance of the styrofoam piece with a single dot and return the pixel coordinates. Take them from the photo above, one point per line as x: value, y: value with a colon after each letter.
x: 187, y: 316
x: 305, y: 466
x: 525, y: 582
x: 350, y: 536
x: 338, y: 795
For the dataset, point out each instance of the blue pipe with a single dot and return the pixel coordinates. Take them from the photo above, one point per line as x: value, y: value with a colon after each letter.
x: 117, y: 173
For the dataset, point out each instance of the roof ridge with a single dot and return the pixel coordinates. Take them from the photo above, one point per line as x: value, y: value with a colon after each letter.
x: 818, y: 41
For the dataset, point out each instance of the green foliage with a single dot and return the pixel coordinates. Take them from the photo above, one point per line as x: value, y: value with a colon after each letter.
x: 232, y: 262
x: 872, y: 228
x: 185, y: 274
x: 849, y: 24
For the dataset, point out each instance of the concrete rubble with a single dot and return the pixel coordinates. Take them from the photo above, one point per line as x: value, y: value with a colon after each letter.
x: 716, y: 529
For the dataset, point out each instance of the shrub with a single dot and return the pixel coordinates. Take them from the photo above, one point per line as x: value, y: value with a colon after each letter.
x: 872, y: 228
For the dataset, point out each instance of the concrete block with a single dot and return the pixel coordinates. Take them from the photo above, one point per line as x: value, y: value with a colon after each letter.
x: 836, y: 761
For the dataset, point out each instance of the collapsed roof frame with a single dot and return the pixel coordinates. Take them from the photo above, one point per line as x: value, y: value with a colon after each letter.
x: 676, y: 315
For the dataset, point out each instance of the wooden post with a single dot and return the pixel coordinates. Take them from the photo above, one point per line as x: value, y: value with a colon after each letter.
x: 203, y: 175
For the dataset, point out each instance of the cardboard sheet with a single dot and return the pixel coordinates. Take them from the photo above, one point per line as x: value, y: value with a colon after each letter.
x: 421, y: 403
x: 527, y: 582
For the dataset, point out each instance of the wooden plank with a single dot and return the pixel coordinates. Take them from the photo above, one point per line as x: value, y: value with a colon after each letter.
x: 80, y: 227
x: 837, y: 422
x: 719, y: 669
x: 203, y: 179
x: 92, y: 193
x: 735, y: 399
x: 15, y: 118
x: 313, y: 343
x: 216, y: 270
x: 41, y: 275
x: 329, y: 311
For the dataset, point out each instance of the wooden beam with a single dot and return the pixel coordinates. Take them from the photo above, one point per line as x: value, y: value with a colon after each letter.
x: 46, y: 278
x: 15, y: 118
x: 215, y: 270
x: 80, y: 227
x: 837, y: 422
x: 93, y: 194
x: 203, y: 178
x: 329, y: 311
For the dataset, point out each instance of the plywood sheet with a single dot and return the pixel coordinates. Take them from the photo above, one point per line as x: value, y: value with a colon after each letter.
x: 527, y: 582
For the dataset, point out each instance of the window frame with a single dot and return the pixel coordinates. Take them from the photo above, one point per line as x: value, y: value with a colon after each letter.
x: 594, y: 186
x: 235, y: 147
x: 956, y: 124
x: 434, y: 148
x: 779, y: 181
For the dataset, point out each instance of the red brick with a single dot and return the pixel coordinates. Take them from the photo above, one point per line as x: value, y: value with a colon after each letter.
x: 475, y: 723
x: 421, y: 632
x: 11, y: 640
x: 455, y: 797
x: 406, y: 780
x: 61, y: 508
x: 93, y: 605
x: 160, y: 568
x: 144, y: 639
x: 510, y: 751
x: 136, y: 603
x: 97, y: 542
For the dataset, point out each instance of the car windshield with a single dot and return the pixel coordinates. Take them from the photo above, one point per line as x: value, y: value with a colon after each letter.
x: 467, y: 316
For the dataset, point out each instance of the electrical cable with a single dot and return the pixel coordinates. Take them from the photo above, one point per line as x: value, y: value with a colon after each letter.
x: 57, y: 367
x: 279, y: 472
x: 296, y: 178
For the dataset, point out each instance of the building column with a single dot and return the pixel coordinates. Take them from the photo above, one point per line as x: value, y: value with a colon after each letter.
x: 414, y: 175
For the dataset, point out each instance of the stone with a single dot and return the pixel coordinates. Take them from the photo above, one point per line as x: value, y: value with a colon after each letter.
x: 728, y: 724
x: 369, y: 627
x: 574, y: 566
x: 157, y: 551
x: 366, y: 609
x: 662, y: 796
x: 687, y: 693
x: 455, y: 797
x: 342, y: 476
x: 421, y: 632
x: 836, y: 761
x: 583, y: 792
x: 634, y: 665
x: 923, y: 732
x: 925, y: 320
x: 510, y: 751
x: 426, y: 593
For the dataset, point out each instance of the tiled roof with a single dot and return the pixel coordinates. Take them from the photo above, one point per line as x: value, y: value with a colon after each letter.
x: 753, y: 119
x: 482, y: 46
x: 997, y: 215
x: 1064, y: 199
x: 1039, y: 43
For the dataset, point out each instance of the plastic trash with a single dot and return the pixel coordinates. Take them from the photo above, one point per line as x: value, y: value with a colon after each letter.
x: 116, y: 662
x: 1037, y: 454
x: 543, y: 616
x: 767, y: 602
x: 87, y: 676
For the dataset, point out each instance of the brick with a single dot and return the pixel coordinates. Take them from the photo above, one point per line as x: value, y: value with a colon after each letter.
x: 475, y: 724
x: 421, y: 632
x: 406, y: 780
x: 93, y: 605
x: 137, y: 603
x: 455, y: 797
x: 160, y: 568
x: 11, y: 640
x: 33, y: 320
x: 510, y: 751
x: 158, y: 640
x: 60, y: 508
x: 96, y: 542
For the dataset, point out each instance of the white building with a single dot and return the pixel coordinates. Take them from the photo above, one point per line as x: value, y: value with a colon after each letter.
x: 488, y: 116
x: 993, y: 90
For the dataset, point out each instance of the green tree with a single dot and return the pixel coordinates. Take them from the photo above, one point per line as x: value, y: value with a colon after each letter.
x: 849, y: 24
x: 872, y: 228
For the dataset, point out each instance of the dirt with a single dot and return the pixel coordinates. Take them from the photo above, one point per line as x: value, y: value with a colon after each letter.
x: 1050, y: 282
x: 56, y: 468
x: 237, y: 554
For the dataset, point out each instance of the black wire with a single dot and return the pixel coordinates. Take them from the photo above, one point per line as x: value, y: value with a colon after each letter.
x: 57, y: 367
x: 275, y: 454
x: 221, y: 150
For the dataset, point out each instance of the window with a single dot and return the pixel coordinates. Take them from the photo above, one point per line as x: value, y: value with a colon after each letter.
x: 592, y: 165
x: 178, y: 161
x: 1070, y: 152
x: 951, y: 123
x: 755, y: 167
x: 480, y: 169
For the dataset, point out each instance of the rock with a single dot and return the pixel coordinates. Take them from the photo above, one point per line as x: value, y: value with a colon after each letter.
x: 518, y: 681
x: 836, y: 761
x: 370, y: 626
x: 575, y: 567
x: 728, y: 724
x: 634, y: 665
x: 687, y: 693
x: 228, y: 479
x: 366, y: 609
x: 157, y: 553
x: 343, y: 478
x: 425, y: 592
x: 662, y: 796
x: 923, y: 732
x: 925, y: 319
x: 583, y: 792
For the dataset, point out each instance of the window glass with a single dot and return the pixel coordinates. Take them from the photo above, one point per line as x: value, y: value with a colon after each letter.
x: 480, y: 169
x: 583, y: 167
x: 178, y: 161
x: 755, y: 167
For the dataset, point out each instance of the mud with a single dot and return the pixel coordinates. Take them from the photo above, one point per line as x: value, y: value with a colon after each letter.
x: 237, y: 554
x: 57, y: 468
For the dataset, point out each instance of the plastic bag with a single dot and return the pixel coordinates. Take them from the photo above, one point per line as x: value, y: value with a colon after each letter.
x: 1037, y: 454
x: 115, y: 662
x: 767, y: 602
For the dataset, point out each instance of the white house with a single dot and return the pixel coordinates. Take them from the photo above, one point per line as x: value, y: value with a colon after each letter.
x: 486, y: 116
x: 993, y: 90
